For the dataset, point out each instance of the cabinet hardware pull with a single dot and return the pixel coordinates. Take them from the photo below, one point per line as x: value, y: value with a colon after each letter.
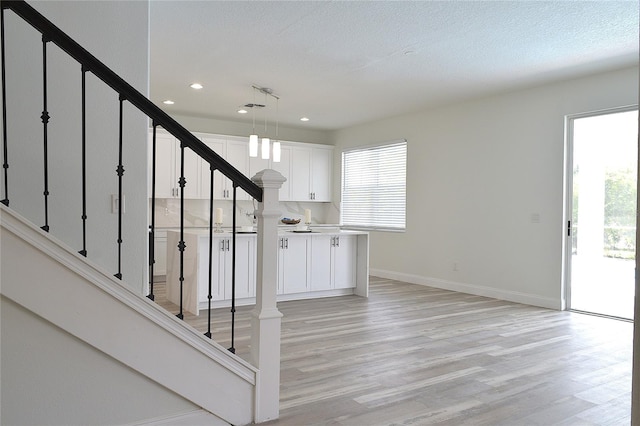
x: 286, y: 243
x: 221, y: 245
x: 227, y: 245
x: 337, y: 241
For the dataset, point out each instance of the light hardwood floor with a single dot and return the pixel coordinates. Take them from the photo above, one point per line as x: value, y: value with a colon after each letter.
x: 414, y: 355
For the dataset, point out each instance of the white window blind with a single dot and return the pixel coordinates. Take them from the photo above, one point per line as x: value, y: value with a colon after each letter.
x: 374, y: 187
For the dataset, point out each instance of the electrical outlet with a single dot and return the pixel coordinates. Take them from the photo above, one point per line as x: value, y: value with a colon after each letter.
x: 115, y: 204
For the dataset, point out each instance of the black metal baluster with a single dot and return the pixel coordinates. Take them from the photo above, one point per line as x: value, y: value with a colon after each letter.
x: 152, y: 236
x: 45, y: 122
x: 209, y: 296
x: 84, y: 165
x: 120, y: 172
x: 181, y: 245
x: 232, y: 349
x: 5, y: 160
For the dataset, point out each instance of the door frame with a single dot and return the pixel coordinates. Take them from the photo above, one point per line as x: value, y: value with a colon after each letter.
x: 567, y: 193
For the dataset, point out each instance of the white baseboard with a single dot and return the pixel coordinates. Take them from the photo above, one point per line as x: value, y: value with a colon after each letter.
x: 192, y: 418
x: 511, y: 296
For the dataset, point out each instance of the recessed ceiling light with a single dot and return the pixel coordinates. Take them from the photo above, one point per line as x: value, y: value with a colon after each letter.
x: 304, y: 119
x: 242, y: 111
x: 168, y: 102
x: 196, y: 86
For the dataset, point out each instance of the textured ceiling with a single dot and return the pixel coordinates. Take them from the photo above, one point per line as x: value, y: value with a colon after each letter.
x: 342, y: 63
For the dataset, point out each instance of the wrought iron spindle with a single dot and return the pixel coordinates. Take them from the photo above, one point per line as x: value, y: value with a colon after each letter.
x: 83, y: 252
x: 209, y: 296
x: 181, y: 245
x: 120, y: 172
x: 45, y: 122
x: 5, y: 160
x: 152, y: 235
x: 232, y: 349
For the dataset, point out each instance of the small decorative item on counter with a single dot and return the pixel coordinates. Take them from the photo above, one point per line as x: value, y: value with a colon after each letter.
x: 289, y: 221
x: 218, y: 219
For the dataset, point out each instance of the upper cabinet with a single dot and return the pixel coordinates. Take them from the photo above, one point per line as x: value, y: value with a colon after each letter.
x: 236, y: 152
x: 311, y: 169
x: 169, y: 166
x: 307, y: 168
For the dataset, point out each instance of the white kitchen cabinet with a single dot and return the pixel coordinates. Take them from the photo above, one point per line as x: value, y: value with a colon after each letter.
x: 222, y: 268
x: 307, y: 168
x: 311, y: 173
x: 293, y: 264
x: 344, y: 260
x: 333, y: 261
x: 219, y: 146
x: 168, y: 167
x: 321, y: 253
x: 309, y: 265
x: 238, y: 157
x: 321, y: 170
x: 196, y: 269
x: 236, y: 152
x: 300, y: 173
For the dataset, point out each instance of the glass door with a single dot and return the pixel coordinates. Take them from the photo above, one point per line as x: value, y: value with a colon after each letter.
x: 603, y: 206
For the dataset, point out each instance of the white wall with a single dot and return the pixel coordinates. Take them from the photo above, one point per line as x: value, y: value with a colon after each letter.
x: 477, y: 172
x: 91, y: 24
x: 44, y: 369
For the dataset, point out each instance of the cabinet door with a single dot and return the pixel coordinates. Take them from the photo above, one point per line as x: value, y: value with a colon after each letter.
x: 284, y: 167
x: 219, y: 146
x: 321, y: 251
x: 245, y: 267
x: 192, y: 175
x: 295, y: 265
x: 321, y: 167
x: 345, y: 258
x: 165, y: 165
x: 217, y: 269
x: 238, y: 157
x: 300, y: 174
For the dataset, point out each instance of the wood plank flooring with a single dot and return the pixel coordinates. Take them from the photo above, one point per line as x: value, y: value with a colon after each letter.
x: 414, y: 355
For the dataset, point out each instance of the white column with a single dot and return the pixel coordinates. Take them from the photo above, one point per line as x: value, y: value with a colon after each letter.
x: 265, y: 317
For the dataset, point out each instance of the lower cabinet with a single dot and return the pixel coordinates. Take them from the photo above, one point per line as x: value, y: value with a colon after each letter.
x: 333, y: 261
x: 309, y: 265
x: 293, y: 264
x: 222, y: 268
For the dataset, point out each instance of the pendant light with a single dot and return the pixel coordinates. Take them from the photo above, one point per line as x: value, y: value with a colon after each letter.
x: 276, y: 143
x: 253, y: 138
x: 265, y: 141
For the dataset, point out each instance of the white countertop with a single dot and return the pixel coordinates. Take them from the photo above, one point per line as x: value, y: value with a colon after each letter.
x: 290, y: 231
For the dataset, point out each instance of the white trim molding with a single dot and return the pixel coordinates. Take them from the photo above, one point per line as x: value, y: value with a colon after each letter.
x: 511, y: 296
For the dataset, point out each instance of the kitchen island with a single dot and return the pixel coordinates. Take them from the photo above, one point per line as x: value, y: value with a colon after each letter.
x: 321, y: 263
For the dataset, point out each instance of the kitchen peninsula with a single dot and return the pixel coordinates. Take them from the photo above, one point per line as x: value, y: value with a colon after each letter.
x: 323, y: 263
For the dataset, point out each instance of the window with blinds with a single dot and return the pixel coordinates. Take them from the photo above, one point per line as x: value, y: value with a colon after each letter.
x: 374, y: 183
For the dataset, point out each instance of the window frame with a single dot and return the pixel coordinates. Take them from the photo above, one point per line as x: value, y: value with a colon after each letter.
x: 373, y: 226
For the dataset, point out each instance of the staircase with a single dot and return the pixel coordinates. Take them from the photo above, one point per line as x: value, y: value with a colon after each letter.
x: 82, y: 340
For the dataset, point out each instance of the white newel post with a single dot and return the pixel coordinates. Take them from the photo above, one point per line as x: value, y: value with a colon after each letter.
x: 265, y: 318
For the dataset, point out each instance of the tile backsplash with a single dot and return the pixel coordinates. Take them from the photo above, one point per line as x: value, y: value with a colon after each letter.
x: 197, y: 212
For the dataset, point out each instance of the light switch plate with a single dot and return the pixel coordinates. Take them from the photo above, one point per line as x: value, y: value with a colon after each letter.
x: 114, y: 204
